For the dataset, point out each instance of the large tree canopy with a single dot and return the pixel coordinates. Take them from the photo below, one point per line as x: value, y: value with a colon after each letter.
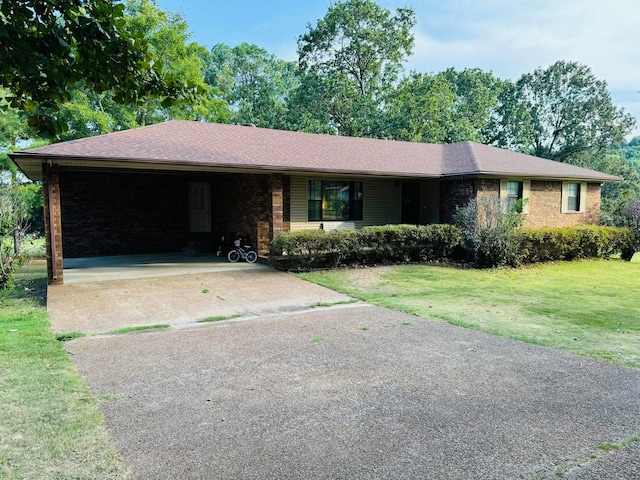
x: 561, y: 112
x: 50, y: 46
x: 349, y: 62
x: 254, y: 82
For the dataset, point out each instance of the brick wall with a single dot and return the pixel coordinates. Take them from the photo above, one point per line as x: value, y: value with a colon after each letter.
x: 106, y: 213
x: 453, y: 194
x: 546, y: 202
x: 110, y: 213
x: 52, y: 222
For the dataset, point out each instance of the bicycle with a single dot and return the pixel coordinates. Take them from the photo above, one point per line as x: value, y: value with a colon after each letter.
x: 242, y: 253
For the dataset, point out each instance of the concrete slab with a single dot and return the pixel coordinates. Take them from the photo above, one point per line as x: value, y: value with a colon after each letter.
x: 101, y: 269
x: 361, y: 392
x: 179, y: 300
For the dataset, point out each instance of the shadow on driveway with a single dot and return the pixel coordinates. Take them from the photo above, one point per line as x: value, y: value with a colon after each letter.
x: 357, y: 392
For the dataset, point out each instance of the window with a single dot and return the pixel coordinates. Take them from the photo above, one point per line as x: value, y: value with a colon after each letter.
x: 334, y: 200
x: 574, y: 195
x: 514, y: 192
x: 511, y: 191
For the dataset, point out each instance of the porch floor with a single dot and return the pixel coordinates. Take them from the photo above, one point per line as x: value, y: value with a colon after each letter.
x: 97, y: 269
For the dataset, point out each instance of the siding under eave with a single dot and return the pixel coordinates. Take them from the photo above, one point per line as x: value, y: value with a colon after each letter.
x: 381, y: 206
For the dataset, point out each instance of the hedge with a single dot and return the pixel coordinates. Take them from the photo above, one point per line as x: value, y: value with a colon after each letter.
x: 568, y: 243
x: 307, y: 249
x: 312, y: 249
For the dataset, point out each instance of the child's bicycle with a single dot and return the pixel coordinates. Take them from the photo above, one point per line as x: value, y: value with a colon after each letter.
x: 242, y: 253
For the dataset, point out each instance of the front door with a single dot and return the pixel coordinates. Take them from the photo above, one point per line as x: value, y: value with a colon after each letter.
x: 199, y: 207
x: 411, y: 203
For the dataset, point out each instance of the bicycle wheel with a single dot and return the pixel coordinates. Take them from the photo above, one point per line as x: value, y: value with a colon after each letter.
x: 233, y: 256
x: 251, y: 256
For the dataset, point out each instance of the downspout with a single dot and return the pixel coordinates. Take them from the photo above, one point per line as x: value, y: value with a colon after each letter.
x: 52, y: 233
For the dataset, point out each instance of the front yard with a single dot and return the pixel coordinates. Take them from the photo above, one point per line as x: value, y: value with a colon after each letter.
x: 588, y: 307
x: 50, y: 426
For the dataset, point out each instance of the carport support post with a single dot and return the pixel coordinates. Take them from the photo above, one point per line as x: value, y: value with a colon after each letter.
x: 277, y: 206
x: 52, y: 221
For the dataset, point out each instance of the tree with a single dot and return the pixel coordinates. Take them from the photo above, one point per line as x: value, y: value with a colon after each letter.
x: 255, y: 83
x: 348, y: 63
x: 420, y: 109
x: 49, y: 47
x: 13, y: 227
x: 476, y: 102
x: 90, y: 113
x: 561, y: 112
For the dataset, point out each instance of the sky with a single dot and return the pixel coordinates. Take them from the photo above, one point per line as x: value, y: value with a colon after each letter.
x: 506, y: 37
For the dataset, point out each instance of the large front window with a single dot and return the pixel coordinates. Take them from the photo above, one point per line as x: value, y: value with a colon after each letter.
x: 331, y: 200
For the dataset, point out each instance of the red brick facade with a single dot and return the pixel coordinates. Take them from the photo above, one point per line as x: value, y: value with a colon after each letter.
x: 52, y: 222
x: 545, y: 206
x: 545, y: 201
x: 98, y: 213
x: 119, y: 213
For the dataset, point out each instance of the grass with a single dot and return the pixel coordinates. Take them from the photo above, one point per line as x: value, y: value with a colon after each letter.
x: 139, y: 328
x: 585, y: 307
x: 218, y: 318
x: 50, y: 425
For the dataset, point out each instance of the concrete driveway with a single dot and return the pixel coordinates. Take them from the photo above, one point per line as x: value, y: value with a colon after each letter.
x: 108, y: 294
x: 357, y: 392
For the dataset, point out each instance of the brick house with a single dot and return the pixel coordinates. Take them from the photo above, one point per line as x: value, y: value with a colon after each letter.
x: 180, y: 185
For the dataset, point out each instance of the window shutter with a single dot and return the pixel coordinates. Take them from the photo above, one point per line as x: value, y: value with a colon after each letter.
x: 565, y: 198
x: 583, y: 197
x: 503, y: 189
x: 526, y: 193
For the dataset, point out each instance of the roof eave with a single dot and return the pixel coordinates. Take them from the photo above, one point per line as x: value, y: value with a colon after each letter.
x: 134, y: 164
x: 538, y: 176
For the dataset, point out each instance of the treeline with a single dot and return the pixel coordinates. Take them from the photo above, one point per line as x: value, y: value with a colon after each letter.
x: 349, y: 80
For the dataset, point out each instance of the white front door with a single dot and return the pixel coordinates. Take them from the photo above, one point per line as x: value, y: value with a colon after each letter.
x: 199, y: 207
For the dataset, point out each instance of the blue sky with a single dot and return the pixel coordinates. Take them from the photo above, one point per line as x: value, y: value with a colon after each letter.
x: 507, y: 37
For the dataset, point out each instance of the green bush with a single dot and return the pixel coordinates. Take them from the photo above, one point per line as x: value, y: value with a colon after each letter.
x: 567, y: 243
x: 487, y: 225
x: 312, y: 249
x: 307, y: 249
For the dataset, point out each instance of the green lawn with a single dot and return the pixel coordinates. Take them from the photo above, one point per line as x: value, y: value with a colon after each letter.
x: 589, y: 307
x: 50, y: 425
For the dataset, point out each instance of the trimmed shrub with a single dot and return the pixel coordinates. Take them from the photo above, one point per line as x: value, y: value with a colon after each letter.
x: 307, y: 249
x: 630, y: 218
x: 567, y: 243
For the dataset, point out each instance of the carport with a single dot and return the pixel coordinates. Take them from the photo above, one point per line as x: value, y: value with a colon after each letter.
x: 125, y: 267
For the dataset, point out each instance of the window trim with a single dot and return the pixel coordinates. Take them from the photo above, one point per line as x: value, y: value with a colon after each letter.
x: 526, y: 191
x: 582, y: 199
x: 355, y: 214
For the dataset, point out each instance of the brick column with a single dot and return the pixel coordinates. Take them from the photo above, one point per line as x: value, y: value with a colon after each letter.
x: 276, y: 222
x: 52, y: 221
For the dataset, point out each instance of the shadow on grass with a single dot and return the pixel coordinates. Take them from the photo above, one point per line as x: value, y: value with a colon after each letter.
x: 30, y: 281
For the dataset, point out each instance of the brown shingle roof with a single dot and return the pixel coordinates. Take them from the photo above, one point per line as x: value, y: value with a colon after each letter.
x: 188, y: 143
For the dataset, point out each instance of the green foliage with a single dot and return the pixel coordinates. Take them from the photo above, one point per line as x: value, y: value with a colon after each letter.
x: 50, y: 423
x: 476, y: 99
x: 488, y: 225
x: 49, y: 47
x: 569, y: 243
x: 630, y: 218
x: 560, y: 112
x: 307, y: 249
x: 349, y: 62
x: 255, y: 83
x: 13, y: 226
x: 420, y: 109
